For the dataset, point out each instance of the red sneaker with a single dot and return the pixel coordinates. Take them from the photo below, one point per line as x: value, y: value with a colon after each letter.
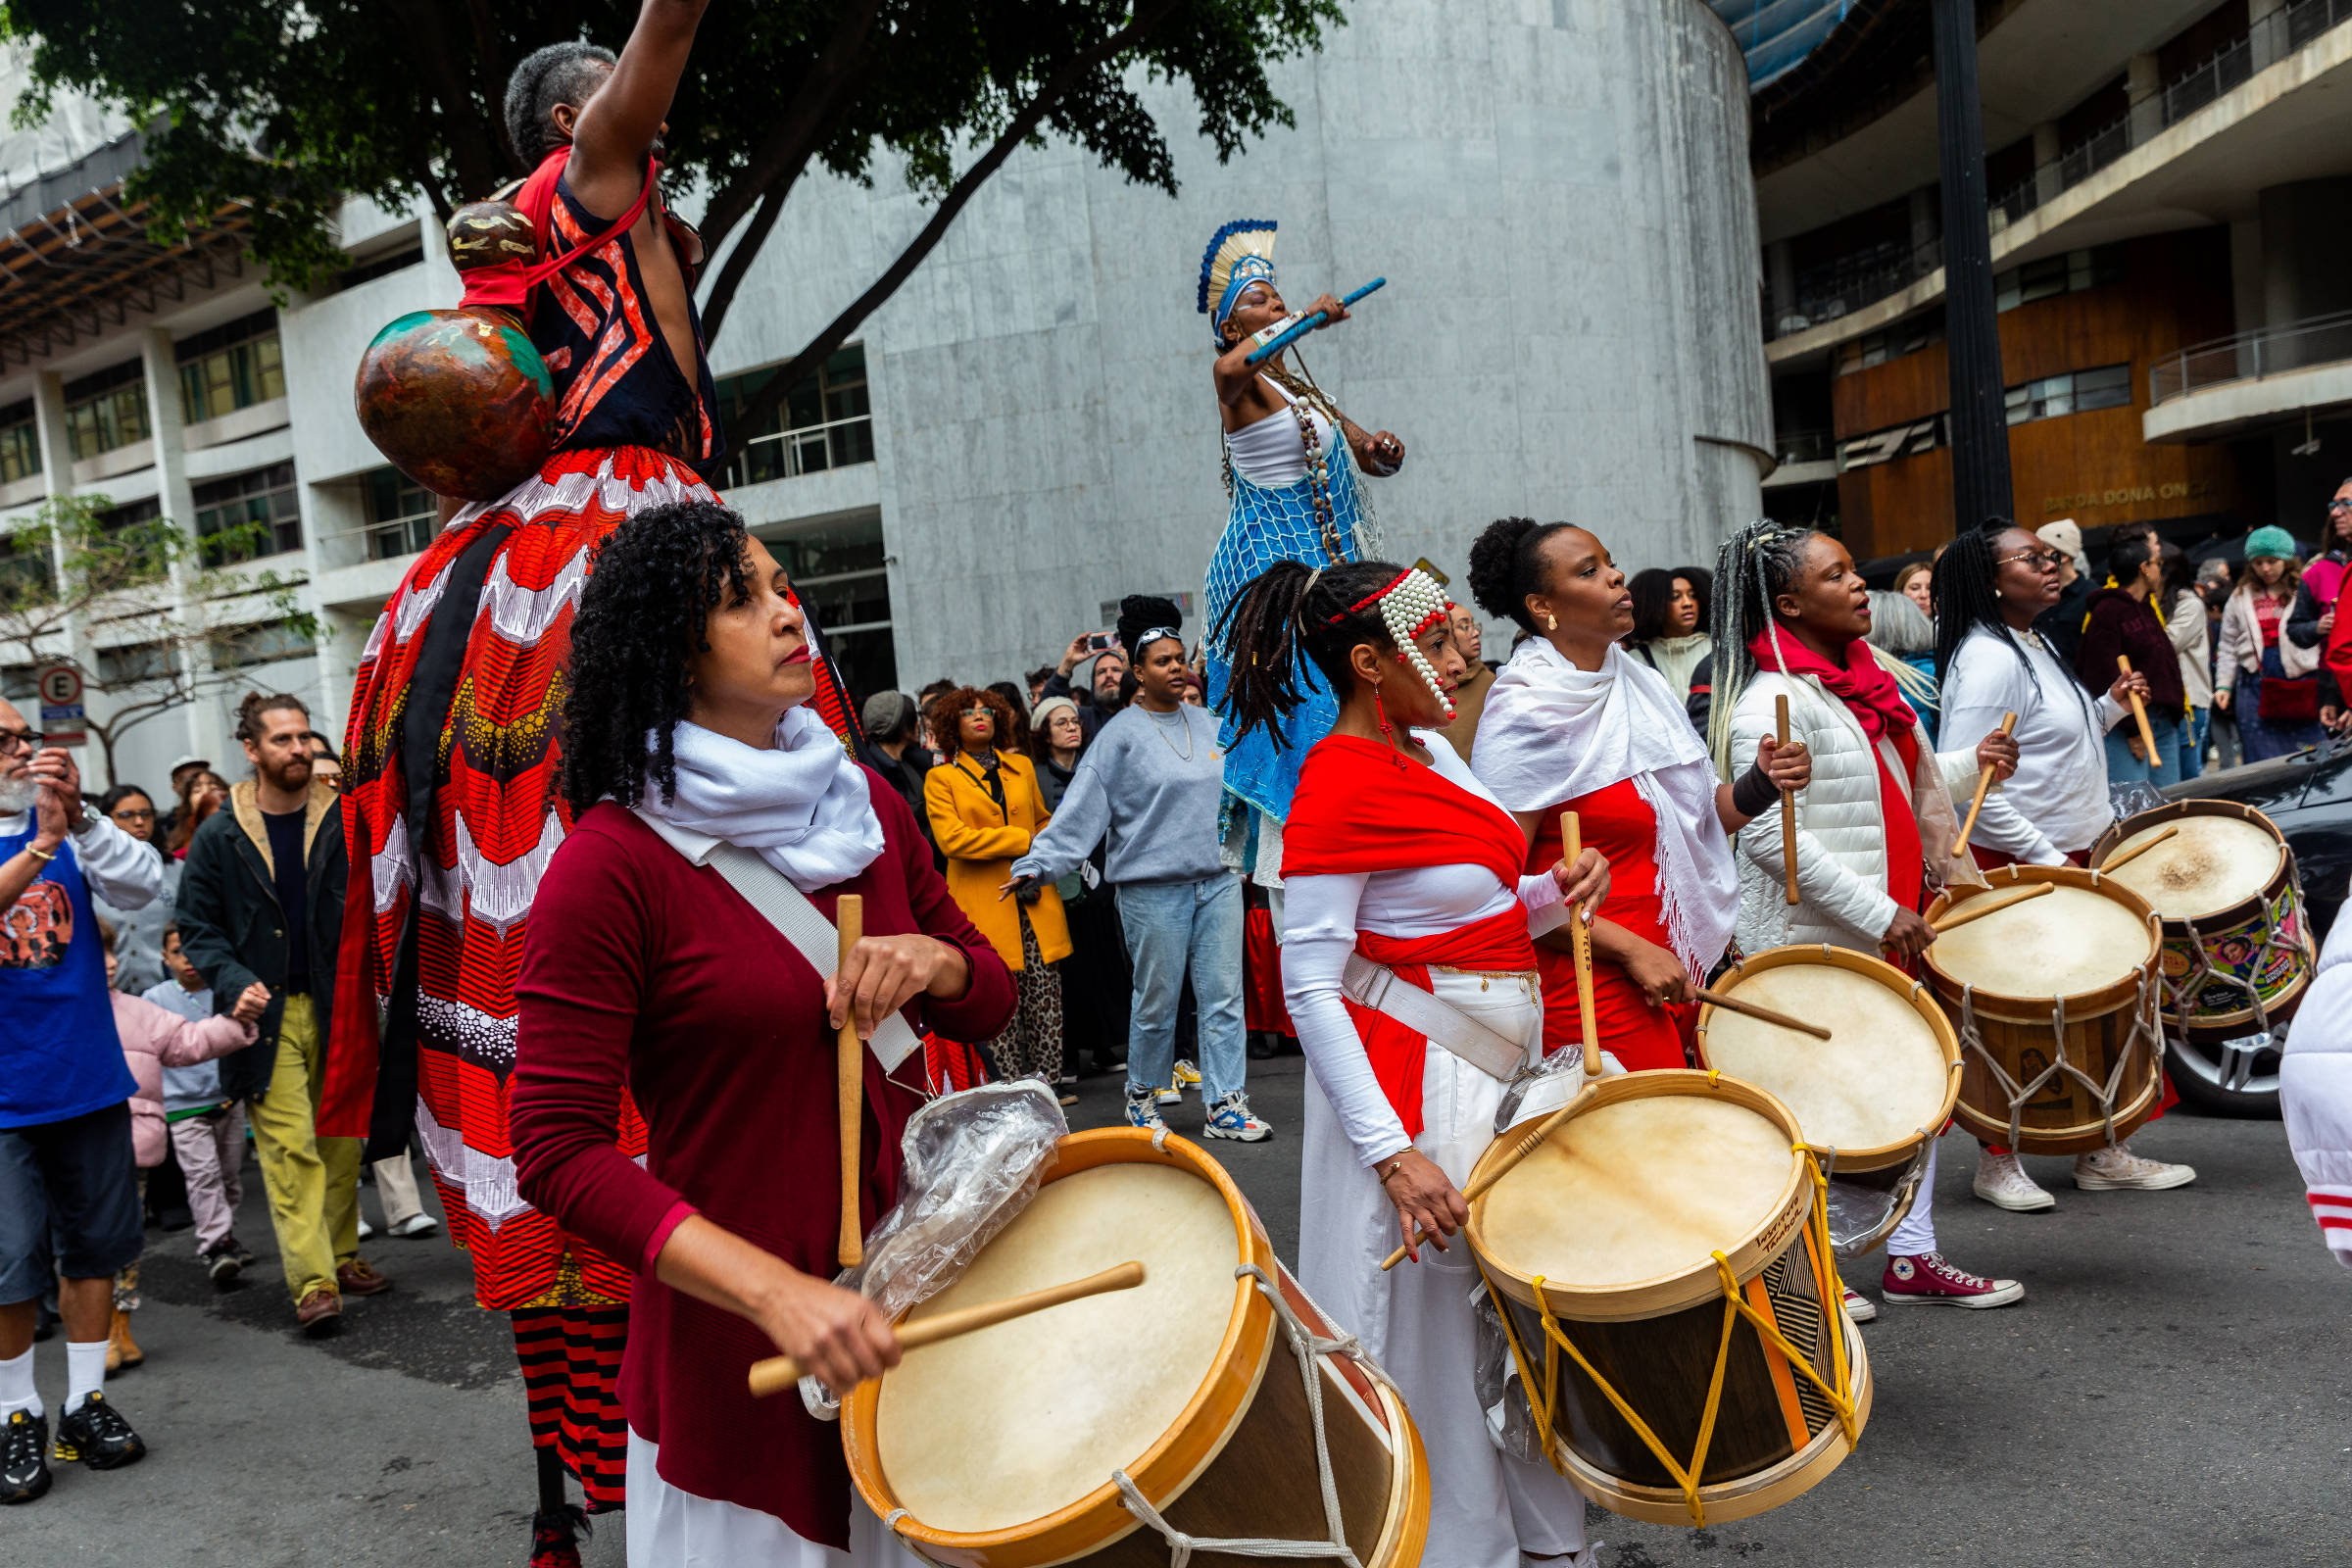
x: 1927, y: 1280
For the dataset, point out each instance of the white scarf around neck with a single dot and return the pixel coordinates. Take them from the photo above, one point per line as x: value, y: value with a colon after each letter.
x: 803, y: 807
x: 1552, y: 732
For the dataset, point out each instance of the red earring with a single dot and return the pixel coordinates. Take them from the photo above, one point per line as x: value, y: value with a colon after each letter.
x: 1387, y: 736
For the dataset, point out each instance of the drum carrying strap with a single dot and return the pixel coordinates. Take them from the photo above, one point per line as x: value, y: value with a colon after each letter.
x: 1376, y: 986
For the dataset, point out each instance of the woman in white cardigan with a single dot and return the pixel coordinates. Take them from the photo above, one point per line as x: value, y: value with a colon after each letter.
x: 1877, y: 835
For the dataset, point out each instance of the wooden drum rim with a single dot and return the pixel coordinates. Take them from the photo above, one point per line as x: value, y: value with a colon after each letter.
x: 1696, y: 1285
x: 1917, y: 993
x: 1208, y: 1421
x: 2253, y: 903
x: 2079, y: 1004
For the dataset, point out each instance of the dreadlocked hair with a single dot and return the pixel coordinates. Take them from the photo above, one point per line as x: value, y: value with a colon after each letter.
x: 1287, y: 610
x: 1505, y: 567
x: 651, y: 587
x: 1754, y: 567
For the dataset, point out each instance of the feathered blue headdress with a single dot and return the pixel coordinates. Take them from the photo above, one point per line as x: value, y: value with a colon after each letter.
x: 1240, y: 254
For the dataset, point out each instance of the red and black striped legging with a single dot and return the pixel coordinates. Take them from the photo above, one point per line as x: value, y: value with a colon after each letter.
x: 570, y: 1359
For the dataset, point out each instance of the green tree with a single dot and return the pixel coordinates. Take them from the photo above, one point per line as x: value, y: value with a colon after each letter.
x: 284, y: 109
x: 110, y: 613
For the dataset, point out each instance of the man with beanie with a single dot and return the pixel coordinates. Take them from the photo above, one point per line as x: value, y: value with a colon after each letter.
x: 889, y: 719
x: 2061, y: 626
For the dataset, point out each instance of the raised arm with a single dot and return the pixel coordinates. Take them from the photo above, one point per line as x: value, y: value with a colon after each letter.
x: 617, y: 127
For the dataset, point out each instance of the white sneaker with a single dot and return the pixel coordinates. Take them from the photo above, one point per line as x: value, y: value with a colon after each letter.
x: 1860, y: 1308
x: 2116, y: 1169
x: 365, y: 1230
x: 417, y: 1224
x: 2002, y: 1182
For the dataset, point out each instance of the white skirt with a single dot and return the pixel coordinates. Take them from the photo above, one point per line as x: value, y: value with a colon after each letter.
x: 1416, y: 1319
x: 672, y: 1529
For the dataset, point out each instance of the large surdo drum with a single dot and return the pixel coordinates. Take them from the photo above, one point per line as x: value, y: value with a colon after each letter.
x: 2237, y: 954
x: 2055, y: 1002
x: 1871, y: 1100
x: 1664, y: 1269
x: 1061, y: 1435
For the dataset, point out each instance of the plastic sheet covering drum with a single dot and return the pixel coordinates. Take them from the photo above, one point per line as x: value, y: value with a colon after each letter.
x: 1212, y: 1408
x: 458, y: 401
x: 1663, y: 1265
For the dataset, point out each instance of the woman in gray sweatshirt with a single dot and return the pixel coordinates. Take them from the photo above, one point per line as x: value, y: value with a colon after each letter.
x: 1152, y: 780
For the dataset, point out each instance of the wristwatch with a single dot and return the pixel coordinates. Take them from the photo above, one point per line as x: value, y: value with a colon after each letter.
x: 88, y: 820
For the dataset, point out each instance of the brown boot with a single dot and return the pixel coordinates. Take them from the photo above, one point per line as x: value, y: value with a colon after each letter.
x: 122, y: 1350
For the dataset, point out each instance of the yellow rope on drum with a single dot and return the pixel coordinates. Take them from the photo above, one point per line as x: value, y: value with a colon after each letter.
x: 1735, y: 1306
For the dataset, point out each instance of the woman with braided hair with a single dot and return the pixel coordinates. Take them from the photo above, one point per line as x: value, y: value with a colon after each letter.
x: 1877, y: 835
x: 1402, y: 883
x: 1574, y: 722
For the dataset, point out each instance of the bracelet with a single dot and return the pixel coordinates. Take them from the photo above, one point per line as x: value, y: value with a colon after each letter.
x: 1266, y: 335
x: 38, y: 854
x: 1754, y: 792
x: 1395, y: 1165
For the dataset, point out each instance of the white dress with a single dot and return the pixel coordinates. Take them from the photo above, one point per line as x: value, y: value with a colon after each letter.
x: 1416, y: 1320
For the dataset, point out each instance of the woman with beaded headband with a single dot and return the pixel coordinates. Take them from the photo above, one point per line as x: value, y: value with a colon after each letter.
x: 1396, y: 861
x: 1290, y: 466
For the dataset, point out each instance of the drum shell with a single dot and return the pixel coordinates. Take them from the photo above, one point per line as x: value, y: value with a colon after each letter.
x: 2101, y: 1026
x: 460, y: 401
x: 1883, y: 1156
x: 1240, y: 1461
x: 2231, y: 937
x: 1657, y: 1342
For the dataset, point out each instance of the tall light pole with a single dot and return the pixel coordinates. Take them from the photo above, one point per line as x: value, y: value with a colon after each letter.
x: 1978, y: 421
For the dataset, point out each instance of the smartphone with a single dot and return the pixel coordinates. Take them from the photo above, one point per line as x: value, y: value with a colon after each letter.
x: 1102, y: 640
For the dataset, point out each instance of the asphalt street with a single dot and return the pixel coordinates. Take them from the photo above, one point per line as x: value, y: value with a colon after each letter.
x: 2172, y: 1392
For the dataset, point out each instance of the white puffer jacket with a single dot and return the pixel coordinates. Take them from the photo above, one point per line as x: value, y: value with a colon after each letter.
x: 2315, y: 1092
x: 1840, y: 831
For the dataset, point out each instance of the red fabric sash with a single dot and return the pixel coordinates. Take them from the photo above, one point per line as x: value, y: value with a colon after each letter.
x: 508, y: 285
x: 1396, y: 1053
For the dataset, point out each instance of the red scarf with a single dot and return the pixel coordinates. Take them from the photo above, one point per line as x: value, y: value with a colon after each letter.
x: 1870, y: 693
x: 1355, y: 812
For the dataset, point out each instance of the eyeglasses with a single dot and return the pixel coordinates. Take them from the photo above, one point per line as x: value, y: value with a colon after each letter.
x: 2340, y: 504
x: 978, y: 712
x: 124, y: 814
x: 2038, y: 559
x: 29, y: 739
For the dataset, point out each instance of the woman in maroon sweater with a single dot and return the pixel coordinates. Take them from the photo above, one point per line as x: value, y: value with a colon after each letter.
x: 2123, y: 621
x: 645, y: 973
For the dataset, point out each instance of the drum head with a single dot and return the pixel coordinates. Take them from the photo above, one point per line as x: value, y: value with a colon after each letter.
x: 1878, y: 1080
x: 1013, y: 1423
x: 1636, y: 1190
x: 2211, y: 864
x: 2063, y: 944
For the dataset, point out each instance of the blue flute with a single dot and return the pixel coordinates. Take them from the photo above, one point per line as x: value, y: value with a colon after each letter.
x: 1308, y: 325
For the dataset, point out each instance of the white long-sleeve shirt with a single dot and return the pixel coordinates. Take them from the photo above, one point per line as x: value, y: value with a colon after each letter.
x: 1321, y: 916
x: 118, y: 868
x: 2056, y: 803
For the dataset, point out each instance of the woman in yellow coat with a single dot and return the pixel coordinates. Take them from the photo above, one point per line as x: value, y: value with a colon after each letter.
x: 984, y: 807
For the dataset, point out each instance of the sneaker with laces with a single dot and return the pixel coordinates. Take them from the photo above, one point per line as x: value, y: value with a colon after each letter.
x: 1859, y: 1308
x: 1232, y: 1119
x: 23, y: 1457
x: 1143, y: 1109
x: 222, y: 1263
x: 95, y: 1432
x: 2116, y: 1169
x: 1927, y: 1280
x: 2002, y: 1182
x: 245, y: 1256
x: 1188, y: 1076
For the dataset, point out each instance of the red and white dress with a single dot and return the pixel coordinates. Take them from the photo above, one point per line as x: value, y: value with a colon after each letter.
x: 1614, y: 746
x: 1417, y: 868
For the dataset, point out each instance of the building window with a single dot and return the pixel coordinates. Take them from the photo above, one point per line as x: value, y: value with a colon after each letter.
x: 248, y: 515
x: 2053, y: 275
x: 1885, y: 445
x: 840, y: 573
x: 403, y: 515
x: 230, y: 367
x: 1877, y: 347
x: 20, y: 443
x: 132, y: 663
x: 261, y: 643
x: 106, y: 409
x: 824, y: 422
x: 2076, y: 392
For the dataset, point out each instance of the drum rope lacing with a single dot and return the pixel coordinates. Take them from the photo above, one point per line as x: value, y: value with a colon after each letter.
x: 1307, y: 1349
x: 2144, y: 1027
x: 2182, y: 998
x: 1735, y: 1306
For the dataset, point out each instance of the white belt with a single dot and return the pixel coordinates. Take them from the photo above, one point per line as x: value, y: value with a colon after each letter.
x: 1376, y: 986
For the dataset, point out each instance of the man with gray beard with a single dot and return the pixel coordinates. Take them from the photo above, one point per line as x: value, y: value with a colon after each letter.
x: 68, y: 1188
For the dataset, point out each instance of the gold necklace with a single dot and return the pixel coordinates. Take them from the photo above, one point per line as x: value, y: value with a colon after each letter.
x: 1161, y: 730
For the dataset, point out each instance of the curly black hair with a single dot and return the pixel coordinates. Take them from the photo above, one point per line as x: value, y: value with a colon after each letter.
x: 1284, y: 610
x: 558, y: 73
x: 651, y: 587
x: 1503, y: 567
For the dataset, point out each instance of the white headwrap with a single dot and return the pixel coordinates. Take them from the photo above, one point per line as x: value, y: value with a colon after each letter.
x: 804, y: 806
x: 1552, y: 732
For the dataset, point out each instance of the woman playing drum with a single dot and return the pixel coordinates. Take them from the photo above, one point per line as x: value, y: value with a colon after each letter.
x: 1990, y: 585
x: 1575, y: 723
x: 644, y: 970
x: 1876, y: 830
x: 1399, y: 868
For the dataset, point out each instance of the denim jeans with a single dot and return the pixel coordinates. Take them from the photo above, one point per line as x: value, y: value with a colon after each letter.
x: 2159, y: 771
x: 2192, y: 742
x: 1169, y: 924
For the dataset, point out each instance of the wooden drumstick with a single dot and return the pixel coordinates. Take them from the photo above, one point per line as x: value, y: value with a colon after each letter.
x: 1753, y: 1011
x: 1983, y: 788
x: 1580, y: 942
x: 1984, y: 904
x: 2140, y: 712
x: 780, y: 1372
x: 850, y: 1089
x: 1502, y: 1167
x: 1780, y: 715
x: 2126, y: 856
